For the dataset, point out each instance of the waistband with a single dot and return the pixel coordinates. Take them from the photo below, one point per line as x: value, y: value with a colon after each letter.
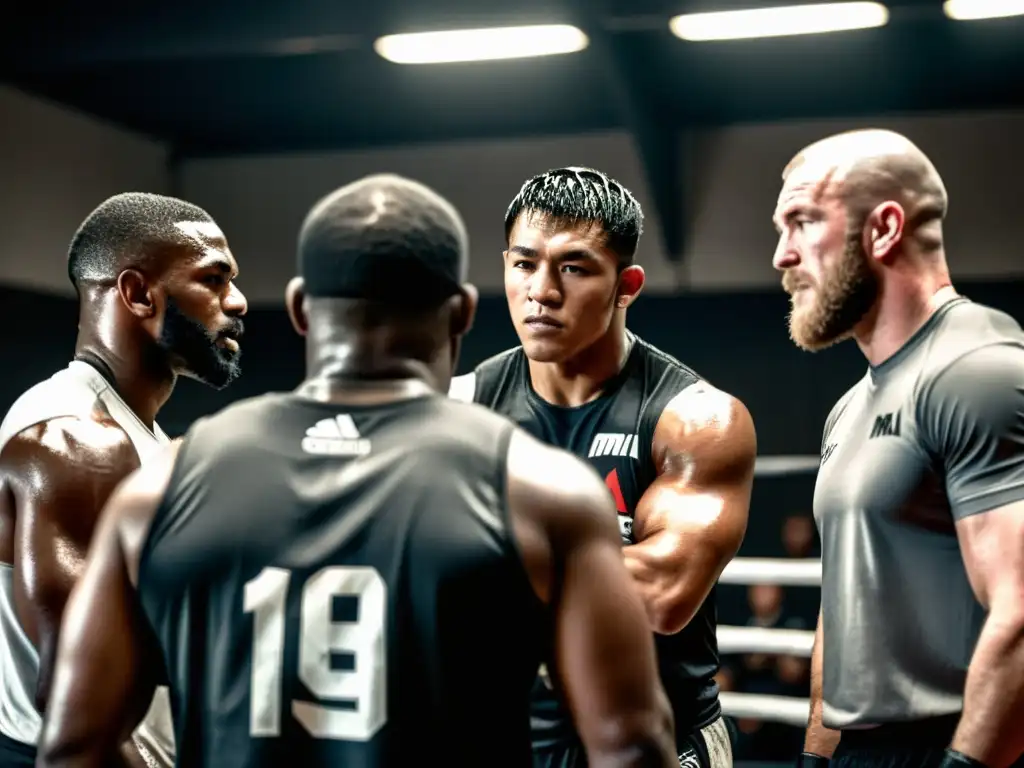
x: 16, y: 753
x: 927, y: 732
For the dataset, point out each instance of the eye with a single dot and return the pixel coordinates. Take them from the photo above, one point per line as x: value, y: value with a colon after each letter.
x: 522, y: 265
x: 215, y: 280
x: 572, y: 269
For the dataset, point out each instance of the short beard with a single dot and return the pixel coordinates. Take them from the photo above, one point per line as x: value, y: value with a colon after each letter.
x: 195, y: 348
x: 840, y: 301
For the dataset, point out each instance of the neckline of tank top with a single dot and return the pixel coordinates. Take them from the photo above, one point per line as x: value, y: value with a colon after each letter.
x: 103, y: 371
x: 916, y: 338
x: 611, y: 388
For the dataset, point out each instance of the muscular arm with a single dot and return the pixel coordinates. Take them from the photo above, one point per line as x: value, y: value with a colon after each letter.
x: 104, y: 677
x: 818, y: 740
x: 691, y: 521
x: 990, y: 728
x: 604, y: 652
x: 973, y: 415
x: 61, y: 473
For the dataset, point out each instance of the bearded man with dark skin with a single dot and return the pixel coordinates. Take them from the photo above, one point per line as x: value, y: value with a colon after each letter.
x: 919, y: 501
x: 157, y: 300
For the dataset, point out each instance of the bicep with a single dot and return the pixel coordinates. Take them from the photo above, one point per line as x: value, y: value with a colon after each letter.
x: 705, y: 448
x: 53, y: 533
x: 64, y: 473
x: 56, y: 520
x: 993, y: 549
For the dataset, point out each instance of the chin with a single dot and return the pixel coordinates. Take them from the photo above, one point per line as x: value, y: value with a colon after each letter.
x: 814, y: 337
x: 218, y: 378
x: 544, y: 351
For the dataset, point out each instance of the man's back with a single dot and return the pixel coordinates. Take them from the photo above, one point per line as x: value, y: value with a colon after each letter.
x: 314, y: 609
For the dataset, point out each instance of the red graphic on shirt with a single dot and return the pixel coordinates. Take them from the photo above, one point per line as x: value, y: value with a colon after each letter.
x: 612, y: 481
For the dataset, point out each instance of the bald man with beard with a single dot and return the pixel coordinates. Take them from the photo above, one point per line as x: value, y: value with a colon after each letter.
x: 919, y: 652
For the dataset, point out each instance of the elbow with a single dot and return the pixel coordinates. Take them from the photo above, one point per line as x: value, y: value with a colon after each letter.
x: 671, y: 612
x: 669, y: 621
x: 640, y: 738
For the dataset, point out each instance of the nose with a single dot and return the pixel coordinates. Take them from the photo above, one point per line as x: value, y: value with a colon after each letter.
x: 544, y: 288
x: 235, y: 302
x: 785, y: 257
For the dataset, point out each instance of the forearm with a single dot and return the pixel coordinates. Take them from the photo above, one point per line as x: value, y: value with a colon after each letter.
x: 84, y: 755
x: 670, y: 592
x: 641, y: 742
x: 818, y: 739
x: 990, y: 727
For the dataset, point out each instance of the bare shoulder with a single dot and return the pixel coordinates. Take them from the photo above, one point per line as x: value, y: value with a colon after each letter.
x: 555, y: 487
x: 702, y: 418
x: 70, y: 449
x: 557, y: 504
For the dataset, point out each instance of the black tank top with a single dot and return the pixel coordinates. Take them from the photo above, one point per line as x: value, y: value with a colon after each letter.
x: 614, y: 433
x: 337, y: 585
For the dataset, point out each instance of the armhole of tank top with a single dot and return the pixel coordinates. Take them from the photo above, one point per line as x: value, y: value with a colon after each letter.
x: 505, y: 510
x: 663, y: 395
x: 157, y: 527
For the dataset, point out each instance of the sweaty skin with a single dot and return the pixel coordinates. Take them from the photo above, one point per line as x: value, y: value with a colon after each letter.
x: 564, y: 521
x: 54, y: 479
x: 691, y: 521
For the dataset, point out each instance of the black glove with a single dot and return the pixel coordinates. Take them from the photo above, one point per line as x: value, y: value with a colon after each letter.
x: 811, y: 760
x: 953, y: 759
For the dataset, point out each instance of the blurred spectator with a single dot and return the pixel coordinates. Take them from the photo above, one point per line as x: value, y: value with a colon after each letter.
x: 763, y: 673
x: 768, y: 611
x: 799, y: 536
x: 800, y: 540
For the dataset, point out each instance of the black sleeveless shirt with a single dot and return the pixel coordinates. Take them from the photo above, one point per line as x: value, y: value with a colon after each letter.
x: 337, y: 585
x: 614, y: 433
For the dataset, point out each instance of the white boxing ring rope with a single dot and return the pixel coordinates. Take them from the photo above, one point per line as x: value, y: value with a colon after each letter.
x: 783, y: 642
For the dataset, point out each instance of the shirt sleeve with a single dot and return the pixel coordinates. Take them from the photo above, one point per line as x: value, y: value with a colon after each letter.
x: 973, y: 422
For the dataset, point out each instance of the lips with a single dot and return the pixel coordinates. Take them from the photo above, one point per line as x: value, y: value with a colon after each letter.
x: 229, y: 341
x: 542, y: 321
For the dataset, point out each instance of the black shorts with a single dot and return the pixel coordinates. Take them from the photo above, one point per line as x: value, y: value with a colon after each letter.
x: 16, y: 754
x: 709, y: 747
x: 918, y: 744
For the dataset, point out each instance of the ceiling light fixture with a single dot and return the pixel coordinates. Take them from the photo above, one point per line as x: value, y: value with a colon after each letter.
x: 779, y: 22
x: 481, y: 44
x: 972, y: 10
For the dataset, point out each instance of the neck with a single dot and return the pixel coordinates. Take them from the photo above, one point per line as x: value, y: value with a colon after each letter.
x: 144, y: 382
x: 907, y: 298
x: 582, y: 378
x: 365, y: 368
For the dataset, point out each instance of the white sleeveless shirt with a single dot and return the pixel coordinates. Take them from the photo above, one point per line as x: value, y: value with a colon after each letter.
x: 73, y: 391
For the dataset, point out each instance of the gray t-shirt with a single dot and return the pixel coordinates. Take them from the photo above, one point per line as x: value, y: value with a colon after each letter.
x: 931, y: 436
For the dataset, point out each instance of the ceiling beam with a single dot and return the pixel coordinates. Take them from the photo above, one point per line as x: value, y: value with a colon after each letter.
x: 35, y: 46
x: 657, y: 143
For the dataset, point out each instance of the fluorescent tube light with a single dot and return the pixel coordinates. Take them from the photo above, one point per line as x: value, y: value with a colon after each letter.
x: 779, y: 22
x: 481, y: 44
x: 970, y: 10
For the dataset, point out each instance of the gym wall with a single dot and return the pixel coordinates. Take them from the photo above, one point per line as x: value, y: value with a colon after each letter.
x: 56, y: 165
x: 729, y: 325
